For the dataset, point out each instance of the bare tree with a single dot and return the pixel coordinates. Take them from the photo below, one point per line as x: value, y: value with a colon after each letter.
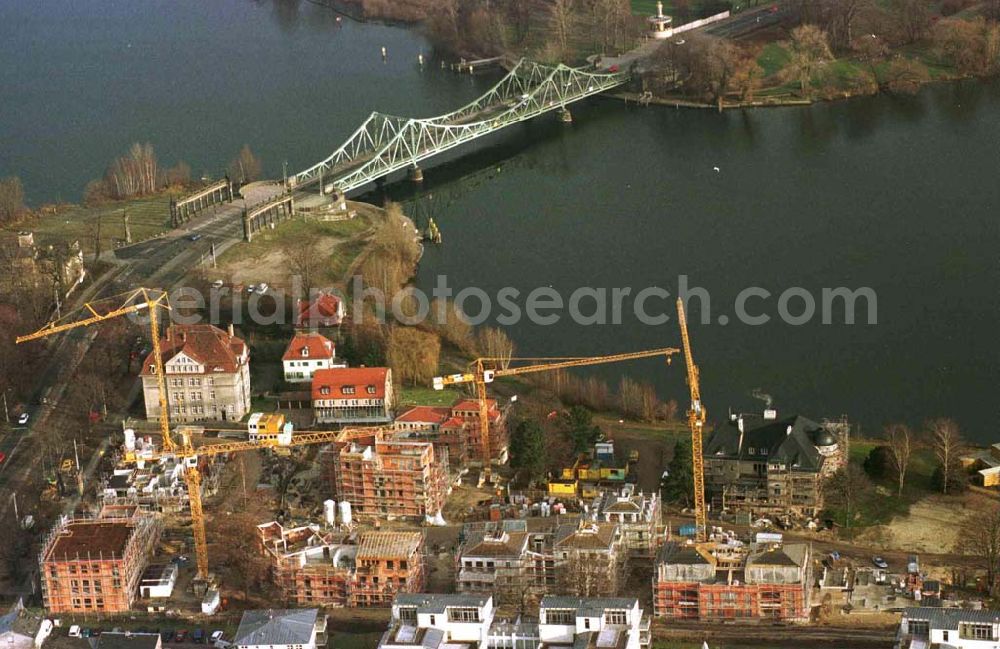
x: 561, y: 13
x: 809, y: 49
x: 246, y: 167
x: 981, y: 539
x: 413, y: 354
x: 912, y: 19
x: 946, y: 441
x: 133, y: 174
x: 844, y: 491
x: 11, y: 199
x: 494, y: 343
x: 900, y: 444
x: 304, y: 260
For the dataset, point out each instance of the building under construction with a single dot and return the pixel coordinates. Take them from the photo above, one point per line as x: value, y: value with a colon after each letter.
x: 94, y: 565
x: 727, y: 580
x: 387, y: 478
x: 637, y: 515
x: 456, y: 428
x: 313, y: 568
x: 766, y: 466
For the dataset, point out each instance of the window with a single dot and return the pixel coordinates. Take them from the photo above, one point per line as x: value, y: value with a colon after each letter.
x: 971, y: 631
x: 347, y: 389
x: 463, y: 614
x: 615, y: 617
x: 560, y: 616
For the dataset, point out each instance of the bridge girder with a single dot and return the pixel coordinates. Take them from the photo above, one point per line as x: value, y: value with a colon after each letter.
x: 384, y: 143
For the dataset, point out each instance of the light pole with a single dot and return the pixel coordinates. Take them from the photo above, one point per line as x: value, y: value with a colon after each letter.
x: 6, y: 413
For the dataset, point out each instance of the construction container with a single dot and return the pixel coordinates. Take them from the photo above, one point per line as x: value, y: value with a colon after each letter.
x: 688, y: 530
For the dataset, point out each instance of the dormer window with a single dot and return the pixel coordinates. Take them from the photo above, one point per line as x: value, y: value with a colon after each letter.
x: 347, y: 389
x: 371, y: 389
x: 305, y: 352
x: 324, y: 389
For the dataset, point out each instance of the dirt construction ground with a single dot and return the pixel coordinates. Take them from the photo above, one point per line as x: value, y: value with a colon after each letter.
x: 933, y: 525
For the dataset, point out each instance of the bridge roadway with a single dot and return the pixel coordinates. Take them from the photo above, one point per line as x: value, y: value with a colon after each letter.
x: 384, y: 144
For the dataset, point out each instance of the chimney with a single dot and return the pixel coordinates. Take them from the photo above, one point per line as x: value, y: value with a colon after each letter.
x: 231, y: 333
x: 788, y: 431
x: 739, y: 422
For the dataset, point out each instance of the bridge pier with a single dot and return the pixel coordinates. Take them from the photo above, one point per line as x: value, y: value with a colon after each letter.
x: 565, y: 116
x: 416, y: 174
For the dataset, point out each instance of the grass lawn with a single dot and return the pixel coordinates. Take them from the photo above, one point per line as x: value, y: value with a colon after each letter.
x: 882, y: 504
x: 423, y: 396
x: 294, y: 231
x: 147, y: 217
x: 343, y: 640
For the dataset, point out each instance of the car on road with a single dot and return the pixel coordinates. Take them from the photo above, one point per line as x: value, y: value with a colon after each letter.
x: 194, y: 237
x: 252, y: 288
x: 23, y: 418
x: 262, y: 288
x: 217, y: 283
x: 880, y: 562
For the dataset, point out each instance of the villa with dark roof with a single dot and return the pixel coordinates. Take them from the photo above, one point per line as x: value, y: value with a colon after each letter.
x: 770, y: 466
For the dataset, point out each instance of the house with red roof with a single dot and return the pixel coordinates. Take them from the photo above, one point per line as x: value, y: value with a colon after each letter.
x: 306, y: 353
x: 323, y: 309
x: 457, y: 428
x: 206, y: 371
x: 353, y: 395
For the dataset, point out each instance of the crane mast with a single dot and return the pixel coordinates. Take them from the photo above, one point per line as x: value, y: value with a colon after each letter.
x: 696, y: 421
x: 132, y: 302
x: 487, y: 369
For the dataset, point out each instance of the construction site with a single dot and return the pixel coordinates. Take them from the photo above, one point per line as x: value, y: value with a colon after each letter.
x: 356, y: 516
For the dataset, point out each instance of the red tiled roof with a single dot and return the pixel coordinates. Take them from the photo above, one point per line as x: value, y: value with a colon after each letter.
x: 454, y: 422
x: 319, y: 346
x: 209, y: 345
x: 472, y: 404
x: 358, y: 377
x: 326, y: 306
x: 421, y: 414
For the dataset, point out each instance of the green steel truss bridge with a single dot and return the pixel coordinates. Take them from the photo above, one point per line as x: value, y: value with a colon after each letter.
x: 386, y: 143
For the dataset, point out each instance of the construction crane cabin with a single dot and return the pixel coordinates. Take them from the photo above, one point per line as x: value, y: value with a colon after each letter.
x: 486, y: 370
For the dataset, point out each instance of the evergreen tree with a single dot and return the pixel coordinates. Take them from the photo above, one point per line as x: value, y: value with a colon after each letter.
x: 878, y: 464
x: 678, y: 485
x: 527, y: 449
x: 578, y: 427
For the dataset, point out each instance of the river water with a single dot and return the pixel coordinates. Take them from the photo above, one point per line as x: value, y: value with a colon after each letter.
x: 897, y: 195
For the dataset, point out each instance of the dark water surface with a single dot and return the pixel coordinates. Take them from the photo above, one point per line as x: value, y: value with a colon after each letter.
x: 899, y: 195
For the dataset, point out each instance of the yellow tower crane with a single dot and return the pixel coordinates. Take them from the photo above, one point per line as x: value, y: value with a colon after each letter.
x: 188, y: 454
x: 141, y: 299
x: 486, y: 370
x: 696, y: 422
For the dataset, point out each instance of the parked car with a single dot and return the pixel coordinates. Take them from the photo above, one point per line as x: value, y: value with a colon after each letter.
x: 880, y: 562
x: 167, y: 636
x: 74, y: 631
x: 198, y: 636
x: 86, y: 633
x: 217, y: 283
x: 216, y: 636
x: 252, y: 288
x: 3, y: 456
x: 23, y: 419
x: 194, y: 237
x: 181, y: 635
x: 262, y: 288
